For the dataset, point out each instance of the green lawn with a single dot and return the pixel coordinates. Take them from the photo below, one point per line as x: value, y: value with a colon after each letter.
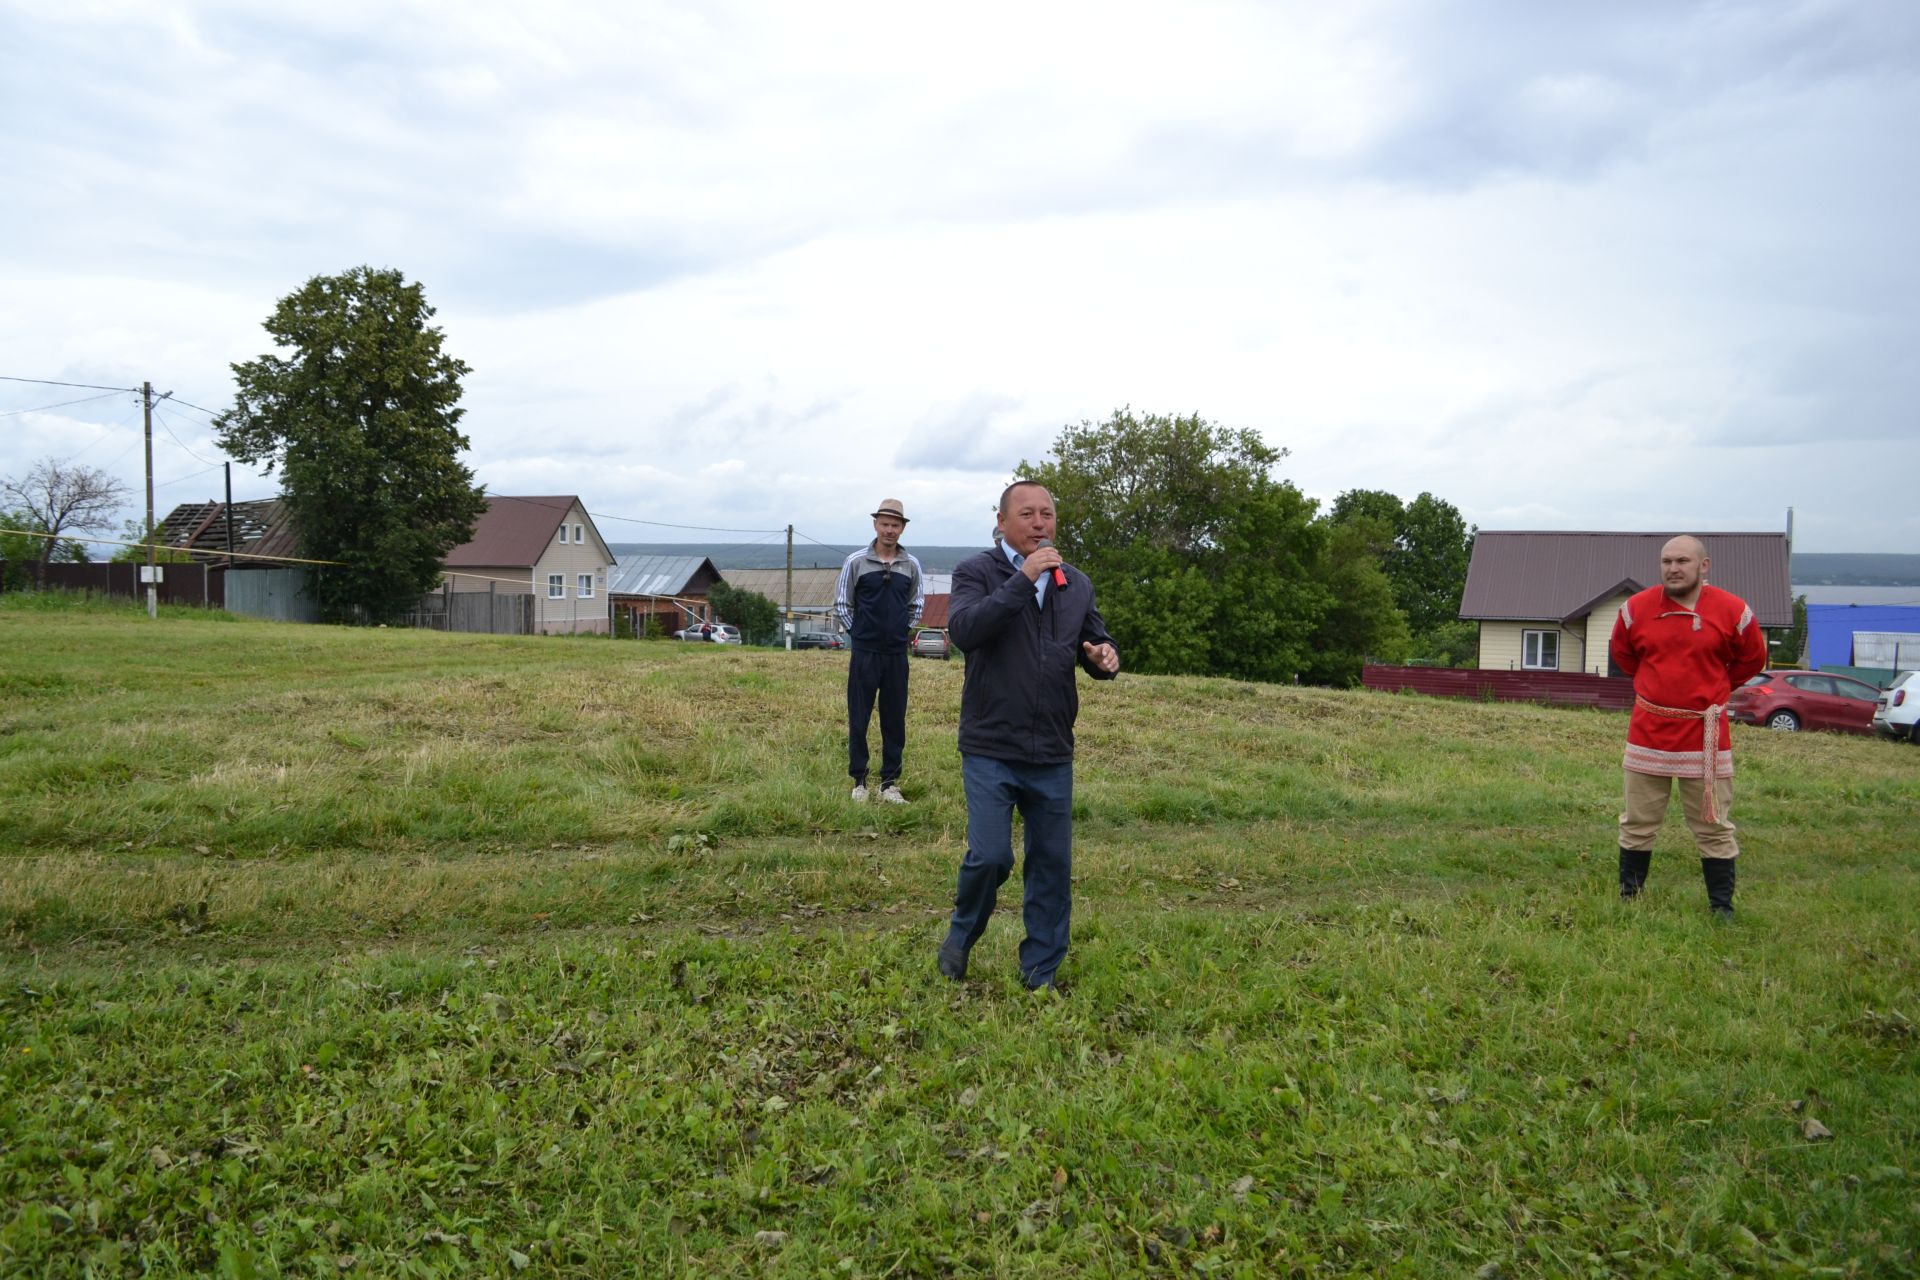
x: 392, y: 953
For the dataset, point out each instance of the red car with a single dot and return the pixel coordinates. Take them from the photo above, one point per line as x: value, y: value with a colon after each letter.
x: 1793, y: 700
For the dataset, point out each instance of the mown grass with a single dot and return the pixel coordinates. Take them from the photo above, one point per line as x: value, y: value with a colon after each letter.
x: 382, y: 953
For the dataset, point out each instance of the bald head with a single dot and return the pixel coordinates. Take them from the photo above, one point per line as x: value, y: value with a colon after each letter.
x: 1685, y: 542
x: 1683, y: 568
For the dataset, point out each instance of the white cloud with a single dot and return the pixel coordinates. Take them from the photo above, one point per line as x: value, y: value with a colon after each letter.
x: 752, y: 264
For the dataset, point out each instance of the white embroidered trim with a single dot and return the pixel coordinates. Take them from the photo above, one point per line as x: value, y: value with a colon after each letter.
x: 1746, y: 616
x: 1626, y: 613
x: 1672, y: 764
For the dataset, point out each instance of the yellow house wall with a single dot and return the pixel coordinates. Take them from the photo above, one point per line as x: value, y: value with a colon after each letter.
x: 1583, y: 643
x: 1600, y: 633
x: 1501, y: 648
x: 571, y: 613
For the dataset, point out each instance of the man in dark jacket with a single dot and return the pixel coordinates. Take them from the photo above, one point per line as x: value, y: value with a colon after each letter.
x: 1025, y: 620
x: 878, y: 600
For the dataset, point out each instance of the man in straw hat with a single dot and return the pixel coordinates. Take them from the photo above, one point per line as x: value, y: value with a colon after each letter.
x: 878, y: 600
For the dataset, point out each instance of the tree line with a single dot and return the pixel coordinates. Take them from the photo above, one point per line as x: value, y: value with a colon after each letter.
x: 1206, y: 561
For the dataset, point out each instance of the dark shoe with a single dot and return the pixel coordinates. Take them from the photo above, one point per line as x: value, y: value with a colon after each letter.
x: 1634, y: 864
x: 1718, y: 873
x: 952, y: 961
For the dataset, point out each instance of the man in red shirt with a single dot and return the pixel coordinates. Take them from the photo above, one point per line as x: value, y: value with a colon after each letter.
x: 1688, y: 646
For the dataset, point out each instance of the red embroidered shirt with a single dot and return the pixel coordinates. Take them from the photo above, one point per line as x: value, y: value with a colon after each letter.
x: 1686, y: 660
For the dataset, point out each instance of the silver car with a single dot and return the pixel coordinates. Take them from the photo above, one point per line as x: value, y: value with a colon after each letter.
x: 717, y: 633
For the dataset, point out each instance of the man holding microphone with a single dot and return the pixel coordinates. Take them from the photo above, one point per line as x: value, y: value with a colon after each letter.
x: 1025, y: 620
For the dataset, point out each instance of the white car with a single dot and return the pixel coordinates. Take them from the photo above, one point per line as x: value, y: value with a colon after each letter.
x: 718, y: 633
x: 1897, y: 714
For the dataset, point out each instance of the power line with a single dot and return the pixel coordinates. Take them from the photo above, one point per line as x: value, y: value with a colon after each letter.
x: 49, y: 382
x: 165, y: 484
x: 661, y: 524
x: 831, y: 546
x: 211, y: 413
x: 62, y: 405
x: 177, y: 440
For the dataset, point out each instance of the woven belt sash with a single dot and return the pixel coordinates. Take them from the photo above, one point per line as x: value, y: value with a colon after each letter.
x: 1709, y: 747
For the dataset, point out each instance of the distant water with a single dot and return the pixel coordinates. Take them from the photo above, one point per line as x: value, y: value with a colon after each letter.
x: 1859, y: 595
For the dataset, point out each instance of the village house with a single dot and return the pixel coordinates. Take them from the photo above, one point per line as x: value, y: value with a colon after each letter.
x: 1547, y: 601
x: 672, y: 589
x: 546, y: 547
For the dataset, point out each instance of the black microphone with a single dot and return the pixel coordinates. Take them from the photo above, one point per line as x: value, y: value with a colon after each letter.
x: 1059, y: 574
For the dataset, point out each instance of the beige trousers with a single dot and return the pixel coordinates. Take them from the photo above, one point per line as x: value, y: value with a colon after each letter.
x: 1646, y: 807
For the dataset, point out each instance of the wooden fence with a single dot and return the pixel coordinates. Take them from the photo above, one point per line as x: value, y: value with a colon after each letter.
x: 479, y: 612
x: 1613, y: 693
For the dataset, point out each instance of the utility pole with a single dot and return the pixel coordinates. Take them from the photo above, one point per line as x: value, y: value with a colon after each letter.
x: 153, y: 559
x: 788, y: 611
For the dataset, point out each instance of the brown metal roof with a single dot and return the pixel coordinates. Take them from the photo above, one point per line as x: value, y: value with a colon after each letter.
x: 262, y: 527
x: 1561, y: 576
x: 512, y: 532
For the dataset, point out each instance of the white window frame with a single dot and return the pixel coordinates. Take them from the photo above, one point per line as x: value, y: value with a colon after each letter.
x: 579, y: 533
x: 563, y: 533
x: 556, y: 586
x: 583, y: 588
x: 1533, y: 644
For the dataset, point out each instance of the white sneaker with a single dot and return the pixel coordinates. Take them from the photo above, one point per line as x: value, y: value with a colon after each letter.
x: 891, y: 794
x: 860, y: 793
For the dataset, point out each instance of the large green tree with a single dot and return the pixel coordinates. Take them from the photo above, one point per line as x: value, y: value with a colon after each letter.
x: 1362, y: 622
x: 757, y: 617
x: 359, y: 409
x: 1203, y: 559
x: 1424, y: 557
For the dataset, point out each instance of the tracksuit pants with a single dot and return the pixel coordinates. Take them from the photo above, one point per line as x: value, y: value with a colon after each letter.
x: 881, y: 675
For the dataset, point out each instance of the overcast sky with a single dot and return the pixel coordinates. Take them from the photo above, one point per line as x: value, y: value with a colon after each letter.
x: 1621, y: 264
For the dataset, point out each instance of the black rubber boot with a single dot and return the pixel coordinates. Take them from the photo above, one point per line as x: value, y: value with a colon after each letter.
x: 1718, y: 873
x: 1634, y: 864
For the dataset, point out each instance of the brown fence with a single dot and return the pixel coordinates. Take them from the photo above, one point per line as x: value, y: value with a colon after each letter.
x: 193, y: 584
x: 1614, y: 693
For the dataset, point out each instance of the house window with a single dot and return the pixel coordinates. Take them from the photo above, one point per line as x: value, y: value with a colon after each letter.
x: 556, y: 586
x: 586, y: 586
x: 1540, y: 650
x: 579, y: 534
x: 563, y: 533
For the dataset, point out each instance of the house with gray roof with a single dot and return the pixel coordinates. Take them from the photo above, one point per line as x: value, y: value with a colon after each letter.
x: 671, y: 588
x: 1546, y: 601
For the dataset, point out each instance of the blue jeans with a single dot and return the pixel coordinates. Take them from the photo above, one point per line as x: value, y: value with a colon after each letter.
x: 1043, y: 794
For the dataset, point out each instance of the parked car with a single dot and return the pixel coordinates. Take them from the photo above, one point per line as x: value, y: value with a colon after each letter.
x: 931, y: 642
x: 716, y: 633
x: 1897, y: 713
x: 1791, y: 700
x: 819, y: 640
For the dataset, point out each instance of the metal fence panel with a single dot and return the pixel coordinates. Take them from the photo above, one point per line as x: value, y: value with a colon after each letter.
x: 279, y: 595
x: 193, y: 584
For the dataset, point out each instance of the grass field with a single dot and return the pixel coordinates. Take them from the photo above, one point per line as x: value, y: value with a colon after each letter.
x: 390, y: 953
